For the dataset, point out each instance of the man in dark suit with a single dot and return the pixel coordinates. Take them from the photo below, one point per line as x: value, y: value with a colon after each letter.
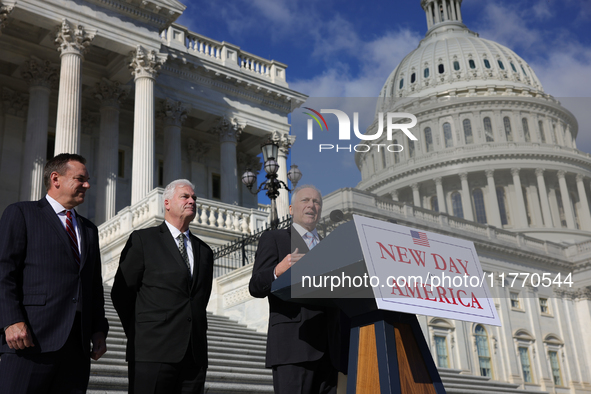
x: 303, y: 347
x: 51, y: 291
x: 161, y: 290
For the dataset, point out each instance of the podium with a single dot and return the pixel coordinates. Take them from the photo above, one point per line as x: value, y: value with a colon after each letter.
x: 388, y: 353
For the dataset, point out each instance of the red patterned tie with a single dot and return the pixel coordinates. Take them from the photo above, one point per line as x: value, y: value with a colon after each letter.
x: 72, y: 236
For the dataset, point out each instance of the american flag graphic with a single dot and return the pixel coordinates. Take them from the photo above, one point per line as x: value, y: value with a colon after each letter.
x: 419, y: 238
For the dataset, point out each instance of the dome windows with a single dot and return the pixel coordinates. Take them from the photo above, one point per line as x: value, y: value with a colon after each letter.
x: 468, y: 131
x: 479, y: 206
x: 488, y: 130
x: 449, y: 142
x: 401, y: 83
x: 472, y: 64
x: 486, y: 63
x: 523, y: 69
x: 526, y: 130
x: 441, y: 69
x: 508, y: 131
x: 426, y: 72
x: 456, y: 203
x: 513, y: 67
x: 542, y: 134
x: 413, y: 77
x: 501, y: 64
x: 456, y: 65
x: 428, y: 139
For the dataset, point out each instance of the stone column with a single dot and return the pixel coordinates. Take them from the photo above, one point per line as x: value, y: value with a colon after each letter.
x: 493, y: 214
x: 5, y: 11
x: 144, y: 67
x: 466, y: 198
x: 285, y: 142
x: 72, y: 43
x: 445, y: 15
x: 585, y: 218
x: 41, y: 76
x: 174, y: 114
x: 543, y: 192
x: 437, y: 13
x: 452, y: 6
x: 229, y: 132
x: 566, y: 202
x: 521, y: 213
x: 416, y: 195
x: 110, y: 94
x: 440, y: 196
x: 458, y: 10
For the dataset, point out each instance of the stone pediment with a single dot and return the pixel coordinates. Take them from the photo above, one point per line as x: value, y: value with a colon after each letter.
x: 157, y: 13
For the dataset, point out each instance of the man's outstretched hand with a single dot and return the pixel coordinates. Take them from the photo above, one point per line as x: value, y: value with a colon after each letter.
x: 287, y: 262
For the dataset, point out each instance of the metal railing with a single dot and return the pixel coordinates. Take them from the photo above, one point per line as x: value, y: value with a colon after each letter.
x: 240, y: 252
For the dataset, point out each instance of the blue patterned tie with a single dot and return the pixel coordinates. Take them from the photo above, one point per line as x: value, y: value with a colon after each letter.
x: 311, y: 240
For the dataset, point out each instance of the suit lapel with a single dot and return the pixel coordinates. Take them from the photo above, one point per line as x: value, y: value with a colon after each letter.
x: 56, y: 223
x: 297, y: 241
x: 83, y: 239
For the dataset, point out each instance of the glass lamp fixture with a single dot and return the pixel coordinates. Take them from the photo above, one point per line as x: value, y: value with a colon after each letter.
x: 270, y: 150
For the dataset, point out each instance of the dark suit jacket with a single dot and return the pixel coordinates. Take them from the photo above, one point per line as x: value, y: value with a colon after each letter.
x: 160, y: 308
x: 39, y: 277
x: 297, y: 332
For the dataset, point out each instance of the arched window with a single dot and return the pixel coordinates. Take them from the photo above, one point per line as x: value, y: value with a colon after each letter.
x: 486, y: 63
x: 488, y: 132
x: 426, y: 72
x: 472, y: 64
x: 441, y: 350
x: 449, y: 142
x: 484, y: 359
x: 526, y: 130
x: 428, y: 139
x: 468, y: 131
x: 513, y: 67
x: 456, y: 65
x: 401, y: 83
x: 501, y: 64
x: 542, y: 134
x: 479, y: 206
x: 396, y: 154
x: 502, y: 200
x: 411, y: 149
x: 434, y: 204
x: 554, y: 363
x: 441, y: 69
x: 456, y: 203
x: 508, y: 131
x: 413, y: 77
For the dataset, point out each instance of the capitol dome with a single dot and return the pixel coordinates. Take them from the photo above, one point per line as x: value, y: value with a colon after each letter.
x: 453, y: 57
x: 492, y: 147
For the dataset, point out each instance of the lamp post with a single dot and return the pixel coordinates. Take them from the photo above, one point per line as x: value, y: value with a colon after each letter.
x: 270, y: 150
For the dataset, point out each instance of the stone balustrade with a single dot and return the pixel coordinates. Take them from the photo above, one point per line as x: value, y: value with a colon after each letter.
x: 210, y: 214
x: 226, y: 54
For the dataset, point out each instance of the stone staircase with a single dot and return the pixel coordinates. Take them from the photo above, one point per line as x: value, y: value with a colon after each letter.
x: 236, y: 358
x: 236, y: 363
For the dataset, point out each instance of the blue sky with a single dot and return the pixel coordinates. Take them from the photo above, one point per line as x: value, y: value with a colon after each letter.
x: 342, y: 48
